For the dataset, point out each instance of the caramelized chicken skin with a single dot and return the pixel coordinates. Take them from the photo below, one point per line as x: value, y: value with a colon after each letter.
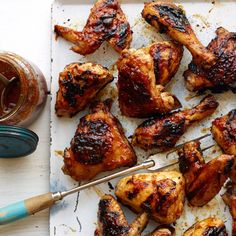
x: 106, y: 22
x: 78, y: 85
x: 169, y: 18
x: 221, y: 75
x: 112, y: 221
x: 99, y: 145
x: 229, y: 198
x: 203, y: 180
x: 164, y: 132
x: 224, y: 132
x: 163, y: 230
x: 141, y: 76
x: 160, y: 194
x: 207, y: 227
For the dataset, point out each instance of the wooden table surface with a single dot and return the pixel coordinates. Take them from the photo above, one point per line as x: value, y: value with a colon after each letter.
x: 26, y: 30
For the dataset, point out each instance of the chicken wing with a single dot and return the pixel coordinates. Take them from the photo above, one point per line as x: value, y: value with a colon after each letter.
x: 112, y: 221
x: 99, y: 145
x: 203, y: 181
x: 78, y: 85
x: 106, y: 22
x: 221, y: 75
x: 224, y: 132
x: 163, y: 230
x: 160, y: 194
x: 169, y: 18
x: 207, y: 227
x: 141, y: 76
x: 164, y: 132
x: 229, y: 198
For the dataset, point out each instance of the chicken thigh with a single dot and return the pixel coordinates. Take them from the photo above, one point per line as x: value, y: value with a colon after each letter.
x: 99, y: 145
x: 141, y: 76
x: 106, y: 22
x: 78, y: 85
x: 112, y: 221
x: 160, y: 194
x: 169, y: 18
x: 203, y: 180
x: 163, y: 230
x: 164, y: 132
x: 224, y: 132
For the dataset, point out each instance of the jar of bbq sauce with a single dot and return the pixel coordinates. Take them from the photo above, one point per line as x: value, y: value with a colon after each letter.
x: 24, y: 97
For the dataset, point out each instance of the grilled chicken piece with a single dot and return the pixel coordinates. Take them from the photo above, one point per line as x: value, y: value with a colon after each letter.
x: 203, y: 180
x: 164, y: 132
x: 78, y: 85
x: 112, y: 221
x: 160, y: 194
x: 224, y: 132
x: 220, y: 76
x: 142, y: 74
x: 207, y: 227
x: 229, y: 198
x: 169, y: 18
x: 163, y: 230
x: 106, y: 22
x: 99, y: 145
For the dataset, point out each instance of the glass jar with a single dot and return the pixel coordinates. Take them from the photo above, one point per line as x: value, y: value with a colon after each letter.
x: 26, y: 95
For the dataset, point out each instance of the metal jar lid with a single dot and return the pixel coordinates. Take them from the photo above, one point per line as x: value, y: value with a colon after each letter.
x: 16, y: 141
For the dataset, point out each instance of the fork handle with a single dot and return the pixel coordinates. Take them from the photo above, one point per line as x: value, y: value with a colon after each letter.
x: 27, y: 207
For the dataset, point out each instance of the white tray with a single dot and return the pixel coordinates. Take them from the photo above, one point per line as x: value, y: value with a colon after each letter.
x: 77, y: 214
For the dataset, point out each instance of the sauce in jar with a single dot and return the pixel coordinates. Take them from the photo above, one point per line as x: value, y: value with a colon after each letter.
x: 25, y: 96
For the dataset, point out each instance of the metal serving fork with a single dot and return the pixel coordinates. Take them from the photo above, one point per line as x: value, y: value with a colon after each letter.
x: 35, y: 204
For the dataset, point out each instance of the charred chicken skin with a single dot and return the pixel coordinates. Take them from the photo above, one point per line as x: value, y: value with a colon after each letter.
x: 142, y: 74
x: 99, y: 145
x: 106, y: 22
x: 224, y: 132
x: 229, y: 198
x: 160, y: 194
x: 221, y: 75
x: 203, y: 180
x: 207, y: 227
x: 112, y: 221
x: 169, y: 18
x: 78, y: 85
x: 163, y: 230
x: 164, y: 132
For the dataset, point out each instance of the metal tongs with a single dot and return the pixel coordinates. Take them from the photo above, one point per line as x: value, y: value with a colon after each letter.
x: 35, y: 204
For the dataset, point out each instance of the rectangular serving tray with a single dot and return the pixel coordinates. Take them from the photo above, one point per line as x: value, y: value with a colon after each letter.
x: 77, y: 214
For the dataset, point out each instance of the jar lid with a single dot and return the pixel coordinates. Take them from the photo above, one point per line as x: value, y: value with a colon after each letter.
x: 16, y: 141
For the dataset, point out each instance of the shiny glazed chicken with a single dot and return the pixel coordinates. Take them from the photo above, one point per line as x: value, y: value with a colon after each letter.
x: 141, y: 76
x: 229, y: 198
x: 224, y: 132
x: 168, y: 18
x: 106, y: 22
x: 221, y: 75
x: 163, y: 230
x: 207, y: 227
x: 112, y: 221
x: 164, y: 132
x: 99, y: 145
x: 203, y: 180
x: 160, y: 194
x: 78, y: 85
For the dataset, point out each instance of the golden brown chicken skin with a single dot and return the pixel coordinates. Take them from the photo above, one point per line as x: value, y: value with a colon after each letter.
x: 207, y: 227
x: 160, y: 194
x: 78, y: 85
x: 112, y: 221
x: 203, y: 180
x: 164, y: 132
x: 171, y: 19
x: 229, y: 198
x: 224, y: 132
x: 99, y: 145
x: 106, y: 22
x: 221, y: 75
x: 163, y: 230
x: 141, y: 76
